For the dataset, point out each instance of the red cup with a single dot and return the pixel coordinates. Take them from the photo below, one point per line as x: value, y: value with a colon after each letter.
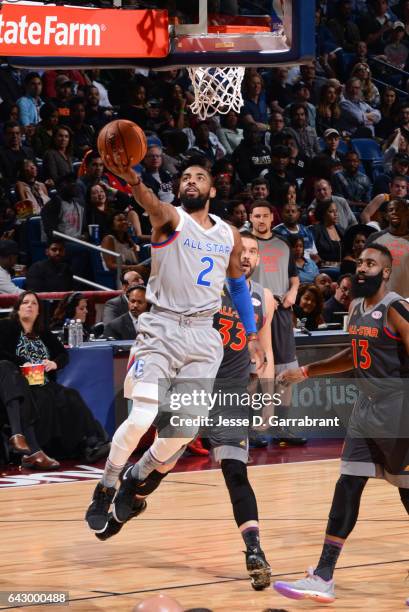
x: 34, y: 373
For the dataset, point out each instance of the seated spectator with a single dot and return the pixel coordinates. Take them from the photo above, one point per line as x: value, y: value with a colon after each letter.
x: 176, y: 103
x: 93, y: 172
x: 73, y: 307
x: 286, y: 194
x: 307, y: 310
x: 57, y: 162
x: 332, y: 139
x: 117, y: 306
x: 154, y: 177
x: 94, y: 76
x: 175, y: 143
x: 291, y: 214
x: 323, y: 192
x: 305, y: 135
x: 324, y: 284
x: 64, y: 92
x: 135, y: 107
x: 277, y: 125
x: 96, y: 115
x: 353, y: 244
x: 211, y: 148
x: 101, y: 201
x: 125, y: 326
x: 30, y: 104
x: 83, y: 135
x: 119, y: 240
x: 351, y: 183
x: 328, y: 236
x: 342, y: 27
x: 376, y: 210
x: 340, y: 301
x: 43, y: 136
x: 328, y: 110
x: 254, y: 110
x: 51, y: 274
x: 396, y: 238
x: 400, y: 167
x: 251, y: 157
x: 237, y: 215
x: 13, y: 153
x: 358, y: 118
x: 376, y: 24
x: 396, y: 52
x: 8, y: 259
x: 389, y: 109
x: 302, y: 95
x: 9, y: 111
x: 370, y: 92
x: 29, y: 188
x: 299, y: 163
x: 279, y: 92
x: 229, y: 134
x: 279, y: 173
x: 65, y: 210
x: 307, y: 268
x: 64, y: 425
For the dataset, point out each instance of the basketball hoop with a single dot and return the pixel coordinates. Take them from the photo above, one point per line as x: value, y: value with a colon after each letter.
x: 217, y: 90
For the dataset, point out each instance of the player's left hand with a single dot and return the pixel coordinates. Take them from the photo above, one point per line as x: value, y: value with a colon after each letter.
x: 257, y: 355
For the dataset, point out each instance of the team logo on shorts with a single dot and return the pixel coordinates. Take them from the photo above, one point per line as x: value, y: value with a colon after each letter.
x: 139, y: 365
x: 377, y: 314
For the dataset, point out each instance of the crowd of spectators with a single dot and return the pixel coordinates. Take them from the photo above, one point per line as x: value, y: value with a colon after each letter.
x: 319, y: 154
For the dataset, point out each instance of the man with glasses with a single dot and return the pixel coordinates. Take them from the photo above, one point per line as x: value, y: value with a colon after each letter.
x: 154, y: 177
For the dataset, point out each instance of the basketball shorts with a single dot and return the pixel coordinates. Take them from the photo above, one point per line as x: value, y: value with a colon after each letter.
x: 377, y: 440
x: 228, y: 435
x: 170, y: 348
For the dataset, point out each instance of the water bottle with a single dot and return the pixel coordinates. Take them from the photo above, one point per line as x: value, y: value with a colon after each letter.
x: 65, y: 330
x: 72, y: 336
x: 79, y: 332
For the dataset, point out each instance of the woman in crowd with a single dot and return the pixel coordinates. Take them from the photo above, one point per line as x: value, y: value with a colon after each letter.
x: 176, y: 103
x: 328, y: 109
x: 73, y: 307
x: 307, y: 268
x: 102, y: 200
x: 57, y: 161
x: 389, y: 108
x: 64, y: 426
x: 43, y: 137
x: 29, y: 188
x: 229, y: 134
x: 353, y: 244
x: 328, y: 237
x: 369, y: 91
x: 307, y: 310
x: 286, y: 194
x: 119, y: 240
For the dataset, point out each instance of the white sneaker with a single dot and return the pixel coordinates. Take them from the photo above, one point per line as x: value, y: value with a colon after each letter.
x: 311, y: 587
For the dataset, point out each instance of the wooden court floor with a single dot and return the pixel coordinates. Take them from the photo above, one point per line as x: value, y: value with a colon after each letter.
x: 186, y: 544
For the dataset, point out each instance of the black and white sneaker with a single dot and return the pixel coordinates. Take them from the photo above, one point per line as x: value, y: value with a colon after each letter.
x: 97, y: 513
x: 113, y: 527
x: 125, y: 497
x: 258, y: 569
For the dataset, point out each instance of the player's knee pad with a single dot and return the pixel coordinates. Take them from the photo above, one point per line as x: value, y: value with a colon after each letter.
x: 345, y: 505
x: 404, y: 495
x: 138, y: 422
x: 165, y: 450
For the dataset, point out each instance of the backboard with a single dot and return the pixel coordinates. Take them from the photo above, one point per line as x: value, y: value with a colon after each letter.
x: 212, y: 33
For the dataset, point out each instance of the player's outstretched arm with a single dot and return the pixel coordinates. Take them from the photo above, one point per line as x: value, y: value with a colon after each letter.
x: 241, y: 298
x: 160, y: 213
x: 341, y: 362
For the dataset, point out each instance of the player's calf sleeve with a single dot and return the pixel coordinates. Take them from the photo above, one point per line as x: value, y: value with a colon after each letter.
x: 345, y: 505
x: 127, y: 436
x: 241, y: 493
x: 404, y: 495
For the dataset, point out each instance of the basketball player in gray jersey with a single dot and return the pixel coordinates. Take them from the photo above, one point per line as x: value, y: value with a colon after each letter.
x: 377, y: 440
x: 192, y: 254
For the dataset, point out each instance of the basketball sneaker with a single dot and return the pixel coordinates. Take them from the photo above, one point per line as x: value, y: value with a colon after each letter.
x: 258, y: 569
x: 113, y: 527
x: 97, y: 513
x: 311, y: 587
x: 124, y: 499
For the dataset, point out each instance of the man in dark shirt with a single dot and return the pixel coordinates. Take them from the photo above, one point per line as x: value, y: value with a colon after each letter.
x: 118, y: 306
x: 51, y: 274
x: 400, y: 166
x: 124, y: 327
x: 340, y: 301
x: 251, y: 157
x: 13, y: 153
x: 278, y: 173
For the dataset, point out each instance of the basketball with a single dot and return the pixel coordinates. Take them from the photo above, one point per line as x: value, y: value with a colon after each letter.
x: 121, y: 143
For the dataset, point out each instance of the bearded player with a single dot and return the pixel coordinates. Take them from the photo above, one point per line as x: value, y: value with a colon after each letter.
x: 377, y: 440
x: 192, y: 254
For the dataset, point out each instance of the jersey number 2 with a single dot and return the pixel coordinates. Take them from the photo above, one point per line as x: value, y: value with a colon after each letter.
x: 201, y: 278
x: 361, y: 356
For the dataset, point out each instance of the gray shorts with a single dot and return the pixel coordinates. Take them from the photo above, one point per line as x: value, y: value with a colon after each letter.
x: 168, y: 349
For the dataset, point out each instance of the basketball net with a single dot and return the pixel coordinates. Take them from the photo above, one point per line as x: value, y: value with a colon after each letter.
x: 217, y: 90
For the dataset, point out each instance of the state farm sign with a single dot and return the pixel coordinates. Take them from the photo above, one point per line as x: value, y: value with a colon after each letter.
x: 28, y: 30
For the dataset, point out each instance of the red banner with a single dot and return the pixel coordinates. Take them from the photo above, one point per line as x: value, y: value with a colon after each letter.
x: 59, y: 31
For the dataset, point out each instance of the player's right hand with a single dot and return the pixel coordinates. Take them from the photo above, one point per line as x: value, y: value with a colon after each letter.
x: 290, y: 377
